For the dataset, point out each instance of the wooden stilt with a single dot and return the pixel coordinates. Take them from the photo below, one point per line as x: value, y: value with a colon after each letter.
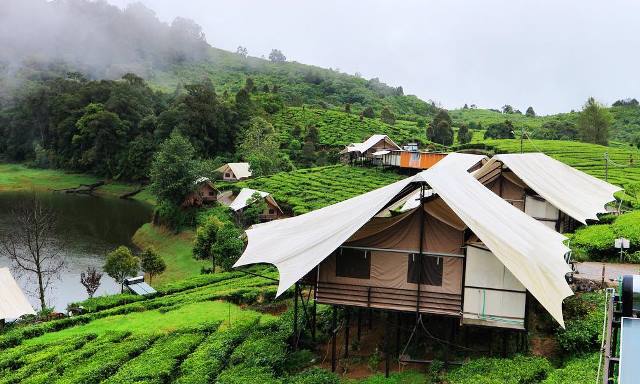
x: 397, y: 325
x: 387, y: 346
x: 347, y: 318
x: 295, y: 316
x: 359, y: 323
x: 334, y: 332
x: 370, y: 318
x: 313, y: 321
x: 505, y: 339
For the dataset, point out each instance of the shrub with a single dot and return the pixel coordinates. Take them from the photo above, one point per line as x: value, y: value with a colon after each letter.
x: 583, y: 323
x: 628, y: 225
x: 315, y: 376
x: 578, y: 370
x: 595, y: 240
x: 246, y: 373
x: 262, y: 348
x: 519, y: 370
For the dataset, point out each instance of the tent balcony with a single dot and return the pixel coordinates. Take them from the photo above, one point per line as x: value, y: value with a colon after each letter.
x: 394, y: 299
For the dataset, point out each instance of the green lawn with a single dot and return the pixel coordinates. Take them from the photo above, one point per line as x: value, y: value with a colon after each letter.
x: 175, y: 249
x: 18, y: 177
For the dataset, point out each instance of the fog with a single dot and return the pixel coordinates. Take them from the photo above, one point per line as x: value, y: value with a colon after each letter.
x: 96, y: 38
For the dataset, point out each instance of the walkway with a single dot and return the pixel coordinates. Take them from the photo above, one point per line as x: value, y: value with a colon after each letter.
x: 593, y: 270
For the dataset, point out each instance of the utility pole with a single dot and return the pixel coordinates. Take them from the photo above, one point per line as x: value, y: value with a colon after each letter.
x: 606, y: 166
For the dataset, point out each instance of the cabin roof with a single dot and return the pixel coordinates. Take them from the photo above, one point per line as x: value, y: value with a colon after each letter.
x: 574, y: 192
x: 367, y: 144
x: 532, y: 252
x: 13, y: 302
x: 240, y: 170
x: 242, y: 200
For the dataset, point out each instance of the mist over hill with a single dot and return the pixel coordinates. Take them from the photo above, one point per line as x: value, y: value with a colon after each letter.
x: 93, y: 37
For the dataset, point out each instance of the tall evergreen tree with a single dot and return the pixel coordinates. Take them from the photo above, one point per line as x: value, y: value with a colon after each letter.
x: 594, y: 122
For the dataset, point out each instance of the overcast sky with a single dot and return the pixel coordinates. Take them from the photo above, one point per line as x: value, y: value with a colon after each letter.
x: 551, y: 55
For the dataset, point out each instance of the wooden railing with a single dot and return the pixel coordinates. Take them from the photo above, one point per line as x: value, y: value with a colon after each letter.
x: 397, y: 299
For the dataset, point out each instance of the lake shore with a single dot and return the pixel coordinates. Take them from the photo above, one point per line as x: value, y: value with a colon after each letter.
x: 19, y: 177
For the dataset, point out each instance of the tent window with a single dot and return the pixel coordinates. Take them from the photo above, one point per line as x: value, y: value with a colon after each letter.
x: 354, y: 263
x: 211, y: 193
x: 431, y: 270
x: 227, y: 175
x: 272, y: 211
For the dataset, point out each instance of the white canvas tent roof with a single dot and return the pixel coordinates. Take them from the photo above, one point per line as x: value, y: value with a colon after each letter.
x: 240, y: 170
x: 13, y: 302
x: 241, y: 201
x: 575, y: 193
x: 367, y: 144
x: 530, y: 250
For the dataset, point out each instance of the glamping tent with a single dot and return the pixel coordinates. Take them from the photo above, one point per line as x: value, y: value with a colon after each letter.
x: 462, y: 252
x: 13, y: 302
x: 205, y: 192
x: 235, y: 171
x: 272, y: 212
x: 548, y: 190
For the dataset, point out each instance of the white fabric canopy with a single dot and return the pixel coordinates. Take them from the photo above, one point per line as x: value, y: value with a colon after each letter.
x: 296, y: 245
x: 530, y: 250
x: 243, y: 198
x: 575, y: 193
x: 13, y: 302
x: 370, y: 142
x: 459, y: 161
x: 380, y: 153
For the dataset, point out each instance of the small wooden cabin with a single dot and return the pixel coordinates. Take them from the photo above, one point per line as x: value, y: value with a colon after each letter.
x: 271, y: 212
x: 235, y: 171
x: 205, y: 193
x: 370, y: 150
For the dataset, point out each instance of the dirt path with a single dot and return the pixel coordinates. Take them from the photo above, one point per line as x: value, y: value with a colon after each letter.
x: 593, y: 270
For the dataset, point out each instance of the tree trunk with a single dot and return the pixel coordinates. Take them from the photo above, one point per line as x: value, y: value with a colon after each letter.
x: 41, y: 290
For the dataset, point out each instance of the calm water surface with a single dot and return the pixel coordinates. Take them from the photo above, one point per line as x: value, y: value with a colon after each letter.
x: 89, y: 227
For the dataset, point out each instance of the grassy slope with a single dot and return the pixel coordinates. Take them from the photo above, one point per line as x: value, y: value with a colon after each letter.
x: 175, y: 249
x: 18, y: 177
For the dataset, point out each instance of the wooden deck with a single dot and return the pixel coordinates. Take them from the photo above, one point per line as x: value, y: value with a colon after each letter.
x: 403, y: 300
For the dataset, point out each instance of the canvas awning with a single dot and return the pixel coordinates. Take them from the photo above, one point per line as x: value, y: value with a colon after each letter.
x: 579, y: 195
x: 530, y: 250
x: 13, y: 302
x: 240, y: 170
x: 380, y: 153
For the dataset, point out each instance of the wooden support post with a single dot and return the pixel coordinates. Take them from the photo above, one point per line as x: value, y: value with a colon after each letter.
x: 334, y: 334
x: 347, y: 320
x: 295, y: 316
x: 387, y: 344
x: 370, y: 318
x: 313, y: 321
x: 359, y: 323
x: 452, y: 330
x: 492, y: 336
x: 397, y: 334
x: 505, y: 336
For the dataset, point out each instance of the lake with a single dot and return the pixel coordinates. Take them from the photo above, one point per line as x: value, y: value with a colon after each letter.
x: 88, y: 228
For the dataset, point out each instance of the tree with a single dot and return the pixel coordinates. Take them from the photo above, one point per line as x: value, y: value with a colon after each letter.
x: 277, y: 56
x: 594, y: 122
x: 387, y: 116
x: 347, y: 107
x: 464, y: 134
x: 228, y: 246
x: 507, y: 109
x: 206, y: 236
x: 31, y: 246
x: 265, y: 88
x: 439, y: 130
x: 260, y: 146
x: 255, y: 207
x: 151, y: 263
x: 90, y: 279
x: 173, y: 170
x: 530, y: 112
x: 120, y: 264
x: 242, y: 51
x: 368, y: 112
x: 502, y: 130
x: 249, y: 85
x: 626, y: 103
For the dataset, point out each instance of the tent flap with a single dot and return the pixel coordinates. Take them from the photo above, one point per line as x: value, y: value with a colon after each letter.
x: 13, y: 302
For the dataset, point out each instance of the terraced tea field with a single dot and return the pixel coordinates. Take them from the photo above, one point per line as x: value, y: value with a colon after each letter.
x: 304, y: 190
x: 624, y: 164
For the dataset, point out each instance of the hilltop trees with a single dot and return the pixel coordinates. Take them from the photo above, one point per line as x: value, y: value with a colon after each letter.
x: 594, y: 122
x: 260, y: 146
x: 173, y: 170
x: 439, y: 130
x: 530, y: 112
x: 502, y: 130
x: 277, y: 56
